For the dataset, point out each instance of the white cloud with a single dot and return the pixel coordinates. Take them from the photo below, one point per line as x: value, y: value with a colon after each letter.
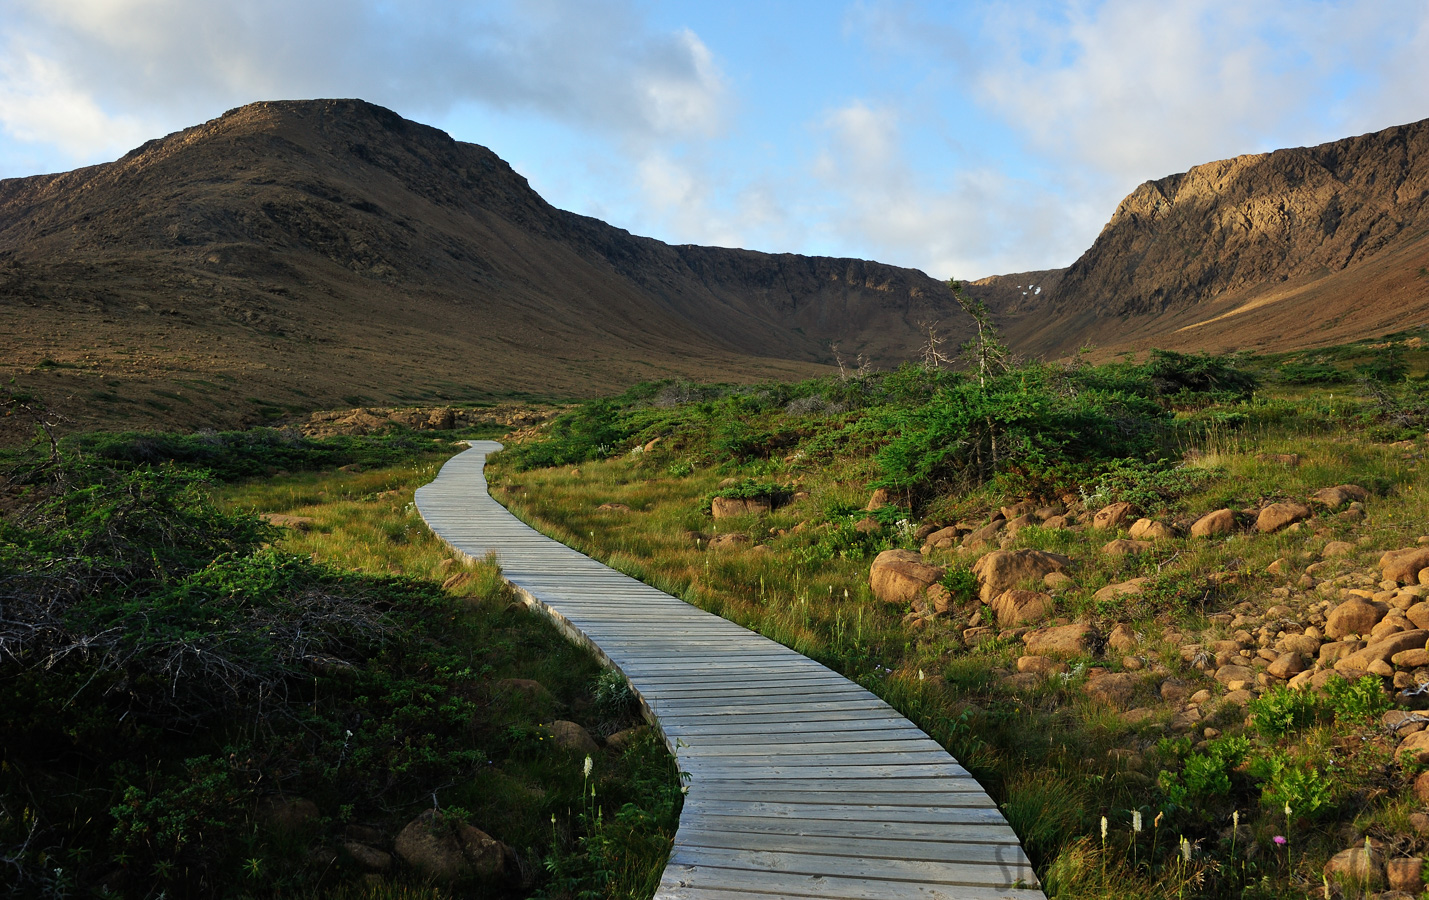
x: 40, y: 104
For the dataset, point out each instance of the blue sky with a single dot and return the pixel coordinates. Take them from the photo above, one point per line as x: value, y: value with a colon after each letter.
x: 962, y: 138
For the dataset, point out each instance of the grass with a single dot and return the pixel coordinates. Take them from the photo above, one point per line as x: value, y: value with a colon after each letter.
x: 1056, y: 759
x: 446, y: 705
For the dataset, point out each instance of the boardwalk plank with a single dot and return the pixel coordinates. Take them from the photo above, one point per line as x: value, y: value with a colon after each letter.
x: 802, y: 784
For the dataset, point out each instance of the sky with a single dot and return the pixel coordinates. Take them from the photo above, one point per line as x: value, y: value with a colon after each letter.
x: 961, y: 138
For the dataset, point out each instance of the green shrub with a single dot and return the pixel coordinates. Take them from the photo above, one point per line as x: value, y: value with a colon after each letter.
x: 1289, y: 782
x: 1281, y: 711
x: 1353, y: 702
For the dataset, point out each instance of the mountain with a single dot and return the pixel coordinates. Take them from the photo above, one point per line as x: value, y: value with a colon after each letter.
x: 1296, y: 248
x: 297, y: 255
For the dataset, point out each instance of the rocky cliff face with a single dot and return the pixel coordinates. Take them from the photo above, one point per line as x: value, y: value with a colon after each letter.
x: 1270, y: 249
x: 333, y: 252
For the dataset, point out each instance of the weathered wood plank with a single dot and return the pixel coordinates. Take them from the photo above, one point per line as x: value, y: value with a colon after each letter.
x: 802, y: 783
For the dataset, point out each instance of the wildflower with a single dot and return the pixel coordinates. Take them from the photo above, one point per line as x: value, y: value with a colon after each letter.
x: 1235, y: 820
x: 1103, y: 829
x: 1136, y: 821
x: 1279, y: 839
x: 1185, y: 850
x: 920, y: 674
x: 1287, y: 809
x: 585, y: 769
x: 1157, y: 821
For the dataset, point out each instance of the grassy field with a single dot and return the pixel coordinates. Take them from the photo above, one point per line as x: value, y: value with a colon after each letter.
x: 338, y: 675
x: 1118, y: 787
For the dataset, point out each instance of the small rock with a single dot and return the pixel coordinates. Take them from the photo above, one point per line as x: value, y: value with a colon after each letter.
x: 1337, y: 549
x: 729, y: 540
x: 868, y: 525
x: 1414, y: 749
x: 1335, y: 497
x: 1125, y: 588
x: 1122, y: 638
x: 984, y: 535
x: 1151, y: 530
x: 1280, y: 567
x: 1040, y: 665
x: 1404, y: 566
x: 728, y: 507
x: 1057, y: 581
x: 1059, y: 640
x: 1406, y: 874
x: 623, y: 739
x: 1115, y: 689
x: 1286, y: 666
x: 616, y: 507
x: 1356, y: 864
x: 368, y: 858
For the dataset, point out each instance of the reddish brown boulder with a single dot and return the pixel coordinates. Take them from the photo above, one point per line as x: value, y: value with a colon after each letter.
x: 1355, y: 616
x: 1060, y: 640
x: 1113, y: 516
x: 1281, y: 515
x: 1151, y: 530
x: 1404, y: 566
x: 1212, y: 524
x: 1018, y: 607
x: 1114, y: 689
x: 1003, y: 570
x: 898, y: 576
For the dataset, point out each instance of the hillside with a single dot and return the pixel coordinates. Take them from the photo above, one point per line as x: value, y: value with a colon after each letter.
x: 297, y: 255
x: 1302, y: 247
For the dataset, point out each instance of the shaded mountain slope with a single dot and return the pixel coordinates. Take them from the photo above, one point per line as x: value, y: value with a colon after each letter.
x: 1299, y: 247
x: 321, y: 253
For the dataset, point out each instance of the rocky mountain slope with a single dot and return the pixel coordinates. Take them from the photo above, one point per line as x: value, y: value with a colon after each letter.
x: 299, y: 255
x: 1299, y: 247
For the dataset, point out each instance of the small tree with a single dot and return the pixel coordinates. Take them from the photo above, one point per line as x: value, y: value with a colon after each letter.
x: 986, y: 352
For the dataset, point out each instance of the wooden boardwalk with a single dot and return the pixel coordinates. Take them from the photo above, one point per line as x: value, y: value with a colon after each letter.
x: 802, y: 783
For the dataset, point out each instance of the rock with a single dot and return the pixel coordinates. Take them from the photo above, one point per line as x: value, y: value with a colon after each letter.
x: 1060, y: 640
x: 1406, y: 874
x: 1212, y: 524
x: 897, y: 576
x: 449, y: 851
x: 1418, y: 614
x: 1018, y: 607
x: 1285, y: 459
x: 1056, y: 522
x: 1335, y: 497
x: 1122, y: 638
x: 1355, y: 616
x: 878, y: 500
x: 1174, y: 690
x: 1231, y: 674
x: 623, y: 739
x: 1411, y: 659
x: 922, y: 532
x: 729, y: 540
x: 868, y: 525
x: 369, y: 858
x: 1286, y: 666
x: 1113, y: 516
x: 1125, y: 588
x: 941, y: 538
x: 1123, y: 547
x: 1420, y: 823
x: 1279, y: 515
x: 1022, y: 681
x: 1404, y: 566
x: 1414, y: 749
x: 938, y: 599
x: 1337, y: 549
x: 572, y: 737
x: 984, y: 535
x: 1057, y: 581
x: 1303, y: 644
x: 1280, y: 567
x: 727, y: 507
x: 1003, y: 570
x: 1421, y: 787
x: 1115, y: 689
x: 287, y: 814
x: 1385, y: 649
x: 1040, y: 665
x: 1015, y: 525
x: 614, y: 507
x: 457, y: 581
x: 1151, y: 530
x: 1017, y: 510
x: 1357, y: 865
x: 297, y: 523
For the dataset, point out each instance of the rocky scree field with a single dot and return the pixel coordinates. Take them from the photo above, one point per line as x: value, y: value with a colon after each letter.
x: 1168, y: 611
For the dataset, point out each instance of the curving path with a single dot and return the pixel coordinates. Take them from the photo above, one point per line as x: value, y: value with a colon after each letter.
x: 802, y: 783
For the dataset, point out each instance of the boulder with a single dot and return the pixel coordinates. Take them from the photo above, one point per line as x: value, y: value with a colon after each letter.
x: 1151, y: 530
x: 368, y: 858
x: 1286, y: 666
x: 897, y: 576
x: 727, y: 507
x: 1339, y: 495
x: 1212, y: 524
x: 1406, y: 874
x: 984, y: 535
x: 868, y: 525
x: 1414, y: 749
x: 938, y: 598
x: 449, y: 851
x: 1235, y: 674
x: 297, y: 523
x: 1337, y: 549
x: 1125, y: 588
x: 1017, y: 510
x: 1040, y: 665
x: 1060, y: 640
x: 1122, y: 638
x: 878, y: 500
x: 1280, y: 515
x: 1355, y: 616
x: 1003, y: 570
x: 1124, y: 547
x: 1357, y: 864
x: 287, y: 814
x: 1113, y: 516
x: 1015, y: 525
x: 572, y: 737
x: 1418, y: 614
x: 1018, y: 607
x: 1404, y: 566
x: 941, y: 539
x: 1411, y: 659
